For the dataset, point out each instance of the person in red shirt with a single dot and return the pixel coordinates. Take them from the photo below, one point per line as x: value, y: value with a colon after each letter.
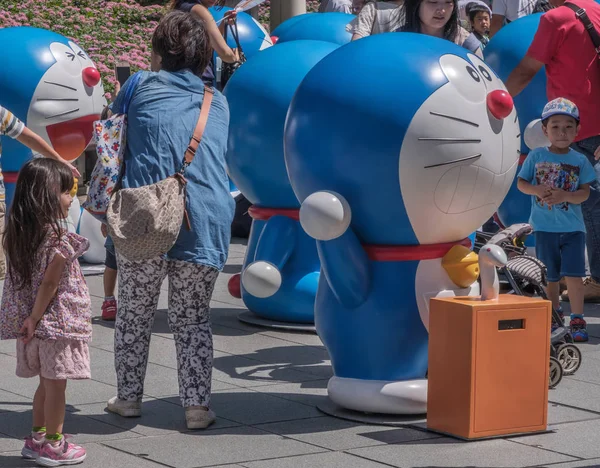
x: 564, y: 47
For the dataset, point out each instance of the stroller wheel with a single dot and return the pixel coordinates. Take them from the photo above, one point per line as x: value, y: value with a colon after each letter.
x: 556, y: 373
x: 569, y: 357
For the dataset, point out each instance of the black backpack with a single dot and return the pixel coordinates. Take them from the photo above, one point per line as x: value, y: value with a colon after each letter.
x: 240, y: 227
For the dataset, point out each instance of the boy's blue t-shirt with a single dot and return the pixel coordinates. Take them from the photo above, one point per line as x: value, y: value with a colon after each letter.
x: 561, y: 171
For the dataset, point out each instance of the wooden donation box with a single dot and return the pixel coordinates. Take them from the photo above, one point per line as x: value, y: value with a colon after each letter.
x: 488, y: 366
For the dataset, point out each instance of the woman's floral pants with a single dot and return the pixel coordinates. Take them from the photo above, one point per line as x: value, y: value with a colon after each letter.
x: 190, y: 290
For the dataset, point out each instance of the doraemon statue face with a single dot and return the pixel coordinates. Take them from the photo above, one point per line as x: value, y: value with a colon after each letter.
x: 423, y: 144
x: 50, y: 83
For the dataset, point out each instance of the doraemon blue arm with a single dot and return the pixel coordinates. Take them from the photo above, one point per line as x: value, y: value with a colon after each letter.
x: 52, y: 85
x: 405, y: 168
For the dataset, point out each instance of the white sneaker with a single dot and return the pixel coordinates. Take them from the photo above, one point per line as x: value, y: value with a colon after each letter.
x: 198, y: 417
x: 127, y: 409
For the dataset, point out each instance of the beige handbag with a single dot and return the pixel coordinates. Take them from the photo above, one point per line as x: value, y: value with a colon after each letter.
x: 145, y: 222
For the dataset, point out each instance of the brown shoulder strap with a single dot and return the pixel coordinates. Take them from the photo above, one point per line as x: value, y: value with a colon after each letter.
x: 582, y: 16
x: 190, y: 152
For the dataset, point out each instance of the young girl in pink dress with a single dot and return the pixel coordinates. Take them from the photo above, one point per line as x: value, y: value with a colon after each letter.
x: 46, y: 303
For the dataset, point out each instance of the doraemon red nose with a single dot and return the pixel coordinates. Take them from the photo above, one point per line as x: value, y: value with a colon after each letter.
x: 91, y: 76
x: 500, y: 103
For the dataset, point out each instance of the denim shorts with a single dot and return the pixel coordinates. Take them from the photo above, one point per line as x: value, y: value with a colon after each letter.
x: 111, y: 260
x: 563, y: 253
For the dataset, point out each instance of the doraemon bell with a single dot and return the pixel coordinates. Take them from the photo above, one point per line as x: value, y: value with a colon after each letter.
x: 394, y: 172
x: 53, y: 86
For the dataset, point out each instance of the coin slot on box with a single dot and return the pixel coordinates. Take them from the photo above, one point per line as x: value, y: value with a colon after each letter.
x: 516, y: 324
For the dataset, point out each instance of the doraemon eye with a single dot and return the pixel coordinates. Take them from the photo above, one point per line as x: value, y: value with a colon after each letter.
x: 485, y: 73
x: 473, y: 73
x: 491, y: 80
x: 464, y: 77
x: 81, y: 55
x: 66, y: 57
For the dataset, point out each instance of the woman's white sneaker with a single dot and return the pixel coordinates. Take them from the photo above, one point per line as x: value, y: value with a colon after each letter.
x: 127, y: 409
x: 198, y: 417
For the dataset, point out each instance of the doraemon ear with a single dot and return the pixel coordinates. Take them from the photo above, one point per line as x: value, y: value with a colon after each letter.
x: 534, y: 136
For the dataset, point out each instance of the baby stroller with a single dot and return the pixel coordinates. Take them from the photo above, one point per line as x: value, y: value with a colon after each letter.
x: 526, y: 276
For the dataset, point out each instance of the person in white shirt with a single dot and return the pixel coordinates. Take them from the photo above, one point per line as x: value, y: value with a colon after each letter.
x: 339, y: 6
x: 505, y: 11
x: 377, y: 17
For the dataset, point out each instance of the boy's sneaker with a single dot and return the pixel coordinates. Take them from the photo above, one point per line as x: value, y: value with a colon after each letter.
x: 109, y: 309
x: 32, y: 447
x: 578, y: 328
x: 65, y: 453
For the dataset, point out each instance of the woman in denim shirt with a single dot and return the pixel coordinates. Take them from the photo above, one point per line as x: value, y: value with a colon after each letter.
x: 162, y: 116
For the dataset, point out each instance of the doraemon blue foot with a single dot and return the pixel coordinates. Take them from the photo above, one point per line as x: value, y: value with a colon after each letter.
x: 393, y: 174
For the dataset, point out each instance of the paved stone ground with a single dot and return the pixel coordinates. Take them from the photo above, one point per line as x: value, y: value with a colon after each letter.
x: 267, y: 385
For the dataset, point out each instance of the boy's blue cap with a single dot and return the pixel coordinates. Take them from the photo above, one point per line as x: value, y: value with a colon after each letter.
x: 560, y: 106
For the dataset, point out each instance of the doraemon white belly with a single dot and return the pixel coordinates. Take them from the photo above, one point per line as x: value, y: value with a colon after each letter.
x: 432, y: 280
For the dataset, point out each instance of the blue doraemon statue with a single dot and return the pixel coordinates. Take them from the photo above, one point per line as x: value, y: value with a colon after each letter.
x: 281, y: 270
x: 288, y: 23
x: 504, y: 52
x: 328, y: 27
x: 393, y: 176
x: 253, y: 37
x: 53, y: 86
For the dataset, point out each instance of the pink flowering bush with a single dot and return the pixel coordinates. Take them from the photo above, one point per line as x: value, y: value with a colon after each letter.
x: 109, y: 31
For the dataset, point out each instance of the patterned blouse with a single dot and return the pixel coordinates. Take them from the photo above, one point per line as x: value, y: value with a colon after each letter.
x: 69, y: 314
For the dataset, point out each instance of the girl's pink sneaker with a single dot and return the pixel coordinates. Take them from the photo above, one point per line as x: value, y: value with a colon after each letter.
x: 65, y: 453
x: 32, y: 447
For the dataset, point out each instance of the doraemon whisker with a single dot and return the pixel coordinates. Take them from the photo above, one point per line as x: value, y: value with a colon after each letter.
x: 62, y: 113
x: 450, y: 140
x: 57, y: 99
x: 451, y: 117
x: 468, y: 158
x: 61, y: 85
